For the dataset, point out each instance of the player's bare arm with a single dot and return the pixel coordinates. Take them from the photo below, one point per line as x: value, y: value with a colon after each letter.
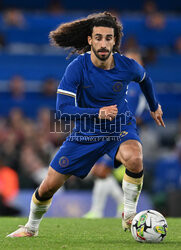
x: 157, y: 116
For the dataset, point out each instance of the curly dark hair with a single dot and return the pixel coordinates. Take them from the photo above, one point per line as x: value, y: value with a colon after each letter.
x: 74, y: 34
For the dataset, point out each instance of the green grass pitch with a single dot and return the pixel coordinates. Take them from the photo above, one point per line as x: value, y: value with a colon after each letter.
x: 75, y: 233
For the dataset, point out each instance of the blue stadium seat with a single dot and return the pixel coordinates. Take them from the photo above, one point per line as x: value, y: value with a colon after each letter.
x: 36, y: 67
x: 37, y: 29
x: 129, y: 5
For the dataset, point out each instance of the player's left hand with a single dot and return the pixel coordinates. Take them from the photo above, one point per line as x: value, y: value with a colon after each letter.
x: 157, y: 116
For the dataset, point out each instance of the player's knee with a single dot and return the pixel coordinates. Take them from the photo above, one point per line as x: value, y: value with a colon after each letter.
x: 134, y: 162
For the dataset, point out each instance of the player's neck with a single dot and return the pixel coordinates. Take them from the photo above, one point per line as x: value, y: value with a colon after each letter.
x: 107, y: 64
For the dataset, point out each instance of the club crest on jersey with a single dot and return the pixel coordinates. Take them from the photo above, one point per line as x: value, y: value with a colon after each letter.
x: 64, y: 161
x: 117, y: 87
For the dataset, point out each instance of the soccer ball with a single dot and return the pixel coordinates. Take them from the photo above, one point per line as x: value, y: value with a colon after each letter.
x: 149, y: 226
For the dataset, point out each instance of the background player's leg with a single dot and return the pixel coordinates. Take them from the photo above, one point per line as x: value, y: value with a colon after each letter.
x: 101, y: 190
x: 99, y: 196
x: 130, y: 154
x: 117, y: 193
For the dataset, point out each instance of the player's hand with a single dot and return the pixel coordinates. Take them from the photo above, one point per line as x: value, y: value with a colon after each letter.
x: 108, y: 112
x: 157, y: 116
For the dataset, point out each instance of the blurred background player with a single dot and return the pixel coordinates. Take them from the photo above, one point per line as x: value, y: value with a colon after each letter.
x: 105, y: 183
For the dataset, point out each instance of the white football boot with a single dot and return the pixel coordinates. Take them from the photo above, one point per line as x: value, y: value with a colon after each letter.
x: 23, y: 231
x: 126, y: 222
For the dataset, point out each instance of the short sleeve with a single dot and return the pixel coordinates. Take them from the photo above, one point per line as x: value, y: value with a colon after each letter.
x: 139, y: 72
x: 71, y: 79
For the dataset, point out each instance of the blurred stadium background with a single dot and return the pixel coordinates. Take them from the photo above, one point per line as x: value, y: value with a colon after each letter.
x: 30, y: 70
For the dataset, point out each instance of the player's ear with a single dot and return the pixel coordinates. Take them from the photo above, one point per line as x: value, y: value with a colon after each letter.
x: 89, y: 39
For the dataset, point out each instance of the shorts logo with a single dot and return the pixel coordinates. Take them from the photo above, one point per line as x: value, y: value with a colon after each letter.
x: 123, y: 133
x: 64, y: 161
x: 117, y: 86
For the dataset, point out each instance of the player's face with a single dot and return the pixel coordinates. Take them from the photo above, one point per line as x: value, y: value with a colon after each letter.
x: 102, y: 42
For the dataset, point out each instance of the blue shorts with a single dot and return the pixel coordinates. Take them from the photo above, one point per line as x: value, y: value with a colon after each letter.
x: 77, y: 158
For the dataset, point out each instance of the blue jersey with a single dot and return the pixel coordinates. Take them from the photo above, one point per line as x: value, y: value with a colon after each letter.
x: 93, y: 88
x: 136, y: 100
x: 83, y: 90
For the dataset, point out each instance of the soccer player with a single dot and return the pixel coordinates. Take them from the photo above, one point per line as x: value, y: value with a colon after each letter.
x: 105, y: 184
x: 92, y: 92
